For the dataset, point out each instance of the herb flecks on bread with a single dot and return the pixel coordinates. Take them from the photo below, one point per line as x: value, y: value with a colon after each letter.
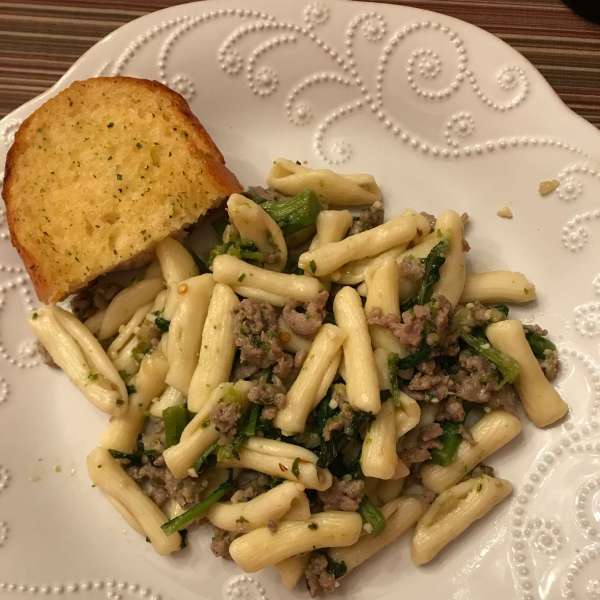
x: 102, y: 172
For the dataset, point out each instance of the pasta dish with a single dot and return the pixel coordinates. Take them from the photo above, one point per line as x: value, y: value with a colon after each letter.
x: 316, y: 386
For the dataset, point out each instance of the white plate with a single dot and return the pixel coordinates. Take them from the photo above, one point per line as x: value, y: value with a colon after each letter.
x: 444, y: 115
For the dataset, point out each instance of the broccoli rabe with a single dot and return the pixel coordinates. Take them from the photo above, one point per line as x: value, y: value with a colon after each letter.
x: 294, y: 213
x: 539, y: 344
x: 508, y: 366
x: 433, y: 263
x: 243, y: 249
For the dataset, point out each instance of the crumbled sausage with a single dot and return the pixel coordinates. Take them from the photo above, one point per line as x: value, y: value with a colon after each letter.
x: 93, y: 299
x: 478, y: 471
x: 270, y: 395
x: 549, y: 364
x: 343, y: 419
x: 427, y: 439
x: 412, y: 268
x: 163, y: 485
x: 343, y: 495
x: 430, y: 218
x: 466, y: 435
x: 318, y: 577
x: 427, y: 499
x: 452, y: 410
x: 305, y: 323
x: 369, y: 218
x: 272, y: 525
x: 46, y: 356
x: 221, y: 541
x: 255, y: 329
x: 225, y: 416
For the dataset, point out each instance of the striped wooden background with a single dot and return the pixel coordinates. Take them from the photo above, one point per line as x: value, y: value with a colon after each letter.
x: 40, y: 39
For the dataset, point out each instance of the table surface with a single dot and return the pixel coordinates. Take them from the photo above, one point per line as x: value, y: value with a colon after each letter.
x: 40, y: 40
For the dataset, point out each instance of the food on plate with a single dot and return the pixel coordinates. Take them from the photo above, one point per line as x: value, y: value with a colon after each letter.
x: 100, y: 173
x: 317, y: 386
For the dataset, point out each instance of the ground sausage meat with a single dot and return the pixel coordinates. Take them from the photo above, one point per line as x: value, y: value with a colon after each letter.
x: 255, y: 329
x: 93, y: 299
x: 270, y: 395
x: 369, y: 218
x: 427, y: 439
x: 318, y: 577
x: 272, y: 525
x: 344, y: 418
x: 46, y: 356
x: 343, y: 495
x: 452, y: 410
x: 549, y: 364
x: 225, y: 416
x: 164, y: 486
x: 430, y: 218
x: 478, y: 471
x: 412, y: 268
x: 221, y: 541
x: 305, y: 323
x: 409, y: 331
x: 466, y: 435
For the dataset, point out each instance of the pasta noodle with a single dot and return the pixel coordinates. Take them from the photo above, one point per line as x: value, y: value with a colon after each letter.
x: 301, y: 396
x: 201, y: 432
x: 217, y: 349
x: 326, y: 259
x: 541, y: 401
x: 256, y: 225
x: 290, y: 341
x: 255, y: 293
x: 230, y: 270
x: 326, y: 529
x: 493, y: 431
x: 109, y: 476
x: 405, y: 512
x: 407, y: 415
x: 246, y: 516
x: 332, y: 226
x: 453, y: 511
x: 362, y: 382
x: 170, y: 397
x: 497, y: 286
x: 452, y: 273
x: 310, y: 476
x: 122, y: 431
x: 291, y: 569
x: 75, y: 350
x: 290, y: 178
x: 379, y: 457
x: 126, y: 303
x: 177, y: 265
x: 383, y: 293
x: 185, y: 330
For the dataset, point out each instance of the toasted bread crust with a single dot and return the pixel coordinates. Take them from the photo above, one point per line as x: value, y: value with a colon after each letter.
x: 199, y: 142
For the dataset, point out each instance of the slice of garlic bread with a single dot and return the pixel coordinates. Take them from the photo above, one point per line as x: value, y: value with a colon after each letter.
x: 102, y: 172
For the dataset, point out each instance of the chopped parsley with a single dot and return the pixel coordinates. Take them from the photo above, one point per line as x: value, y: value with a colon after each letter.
x: 313, y: 266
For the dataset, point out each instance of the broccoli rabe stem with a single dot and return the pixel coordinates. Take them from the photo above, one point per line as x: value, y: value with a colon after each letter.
x: 538, y: 343
x: 175, y: 419
x: 372, y: 515
x: 207, y: 458
x: 508, y: 366
x: 393, y: 360
x: 242, y: 249
x: 450, y: 439
x: 295, y: 213
x: 182, y: 521
x: 433, y: 263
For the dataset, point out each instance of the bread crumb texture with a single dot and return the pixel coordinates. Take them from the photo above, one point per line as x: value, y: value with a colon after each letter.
x: 102, y: 172
x: 505, y: 213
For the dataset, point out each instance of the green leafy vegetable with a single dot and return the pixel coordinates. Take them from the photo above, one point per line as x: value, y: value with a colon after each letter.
x: 450, y: 439
x: 508, y: 366
x: 219, y: 224
x: 419, y: 355
x: 182, y: 521
x: 175, y: 419
x: 372, y: 515
x: 207, y: 459
x: 501, y: 308
x: 162, y: 324
x: 242, y: 249
x: 134, y: 459
x: 538, y: 343
x: 131, y: 389
x: 296, y: 468
x: 434, y: 261
x: 337, y: 569
x: 296, y: 213
x: 202, y: 268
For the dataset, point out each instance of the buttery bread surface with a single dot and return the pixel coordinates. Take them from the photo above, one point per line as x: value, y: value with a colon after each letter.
x: 102, y: 172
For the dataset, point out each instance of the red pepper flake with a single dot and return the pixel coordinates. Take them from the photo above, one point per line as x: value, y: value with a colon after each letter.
x: 283, y: 468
